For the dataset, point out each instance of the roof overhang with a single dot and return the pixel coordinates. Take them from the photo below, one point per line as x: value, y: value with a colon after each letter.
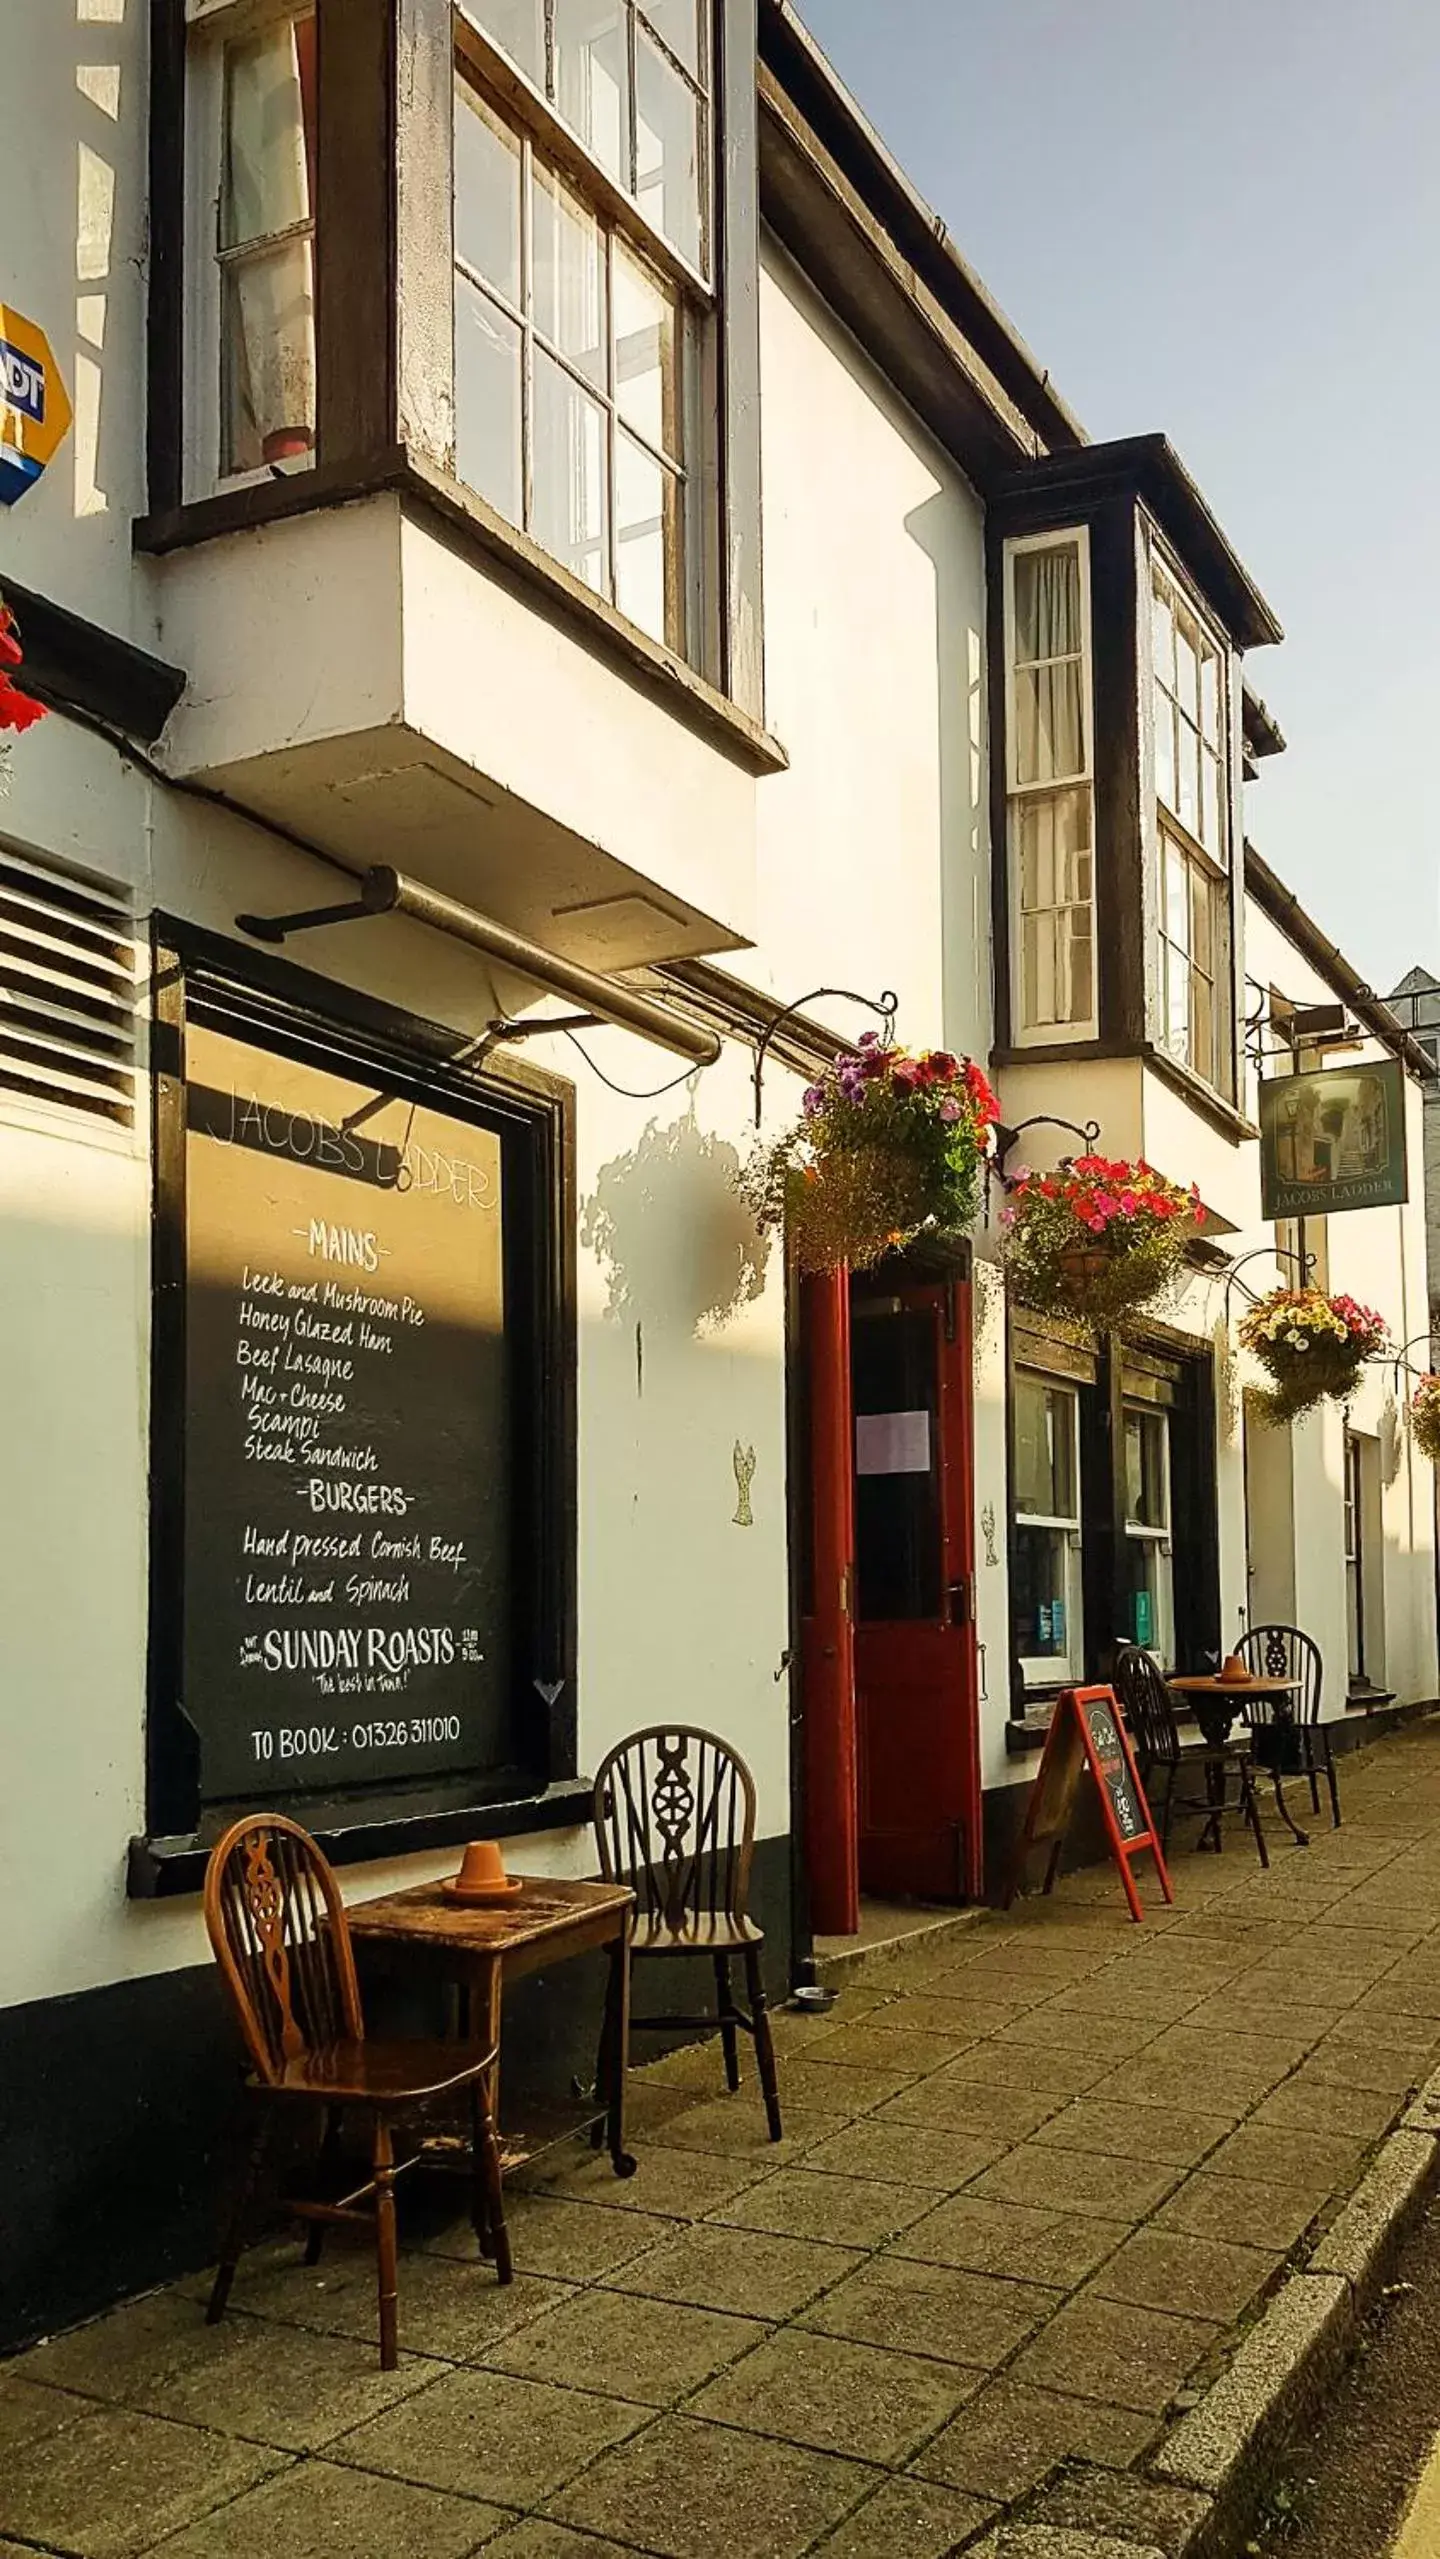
x: 1147, y: 468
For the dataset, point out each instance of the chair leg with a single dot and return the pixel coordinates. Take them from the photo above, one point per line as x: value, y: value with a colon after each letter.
x: 1332, y: 1782
x: 1249, y: 1805
x: 1307, y: 1745
x: 728, y: 2034
x: 329, y: 2151
x: 490, y: 2189
x: 383, y: 2169
x: 244, y: 2204
x: 1167, y: 1808
x: 764, y: 2047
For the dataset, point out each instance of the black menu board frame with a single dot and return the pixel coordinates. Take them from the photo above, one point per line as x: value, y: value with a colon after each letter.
x: 296, y: 1020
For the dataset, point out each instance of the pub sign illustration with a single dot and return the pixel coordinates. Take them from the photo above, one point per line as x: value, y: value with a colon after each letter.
x: 1333, y: 1141
x: 34, y: 404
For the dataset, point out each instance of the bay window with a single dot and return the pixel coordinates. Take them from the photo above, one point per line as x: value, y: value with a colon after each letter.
x: 1050, y: 786
x: 526, y: 297
x: 1191, y: 782
x: 1045, y: 1551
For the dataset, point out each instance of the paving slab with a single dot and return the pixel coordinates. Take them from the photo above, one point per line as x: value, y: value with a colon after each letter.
x: 1011, y: 2437
x: 1099, y: 2348
x: 491, y: 2435
x: 739, y: 2131
x: 247, y: 2377
x: 755, y: 2274
x: 971, y: 2107
x: 569, y: 2242
x: 908, y: 2519
x: 805, y: 2203
x: 872, y: 2046
x: 656, y: 2352
x: 922, y: 2309
x: 915, y: 2155
x: 110, y: 2483
x: 1172, y: 2270
x: 681, y: 2185
x: 1309, y: 2163
x: 316, y: 2510
x: 1076, y: 2181
x: 1121, y: 2129
x: 1024, y: 2241
x: 1147, y: 2511
x: 684, y: 2481
x: 1260, y: 2213
x: 835, y: 2396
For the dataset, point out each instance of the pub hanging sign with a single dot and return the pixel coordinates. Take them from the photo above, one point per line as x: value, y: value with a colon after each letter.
x: 1333, y: 1140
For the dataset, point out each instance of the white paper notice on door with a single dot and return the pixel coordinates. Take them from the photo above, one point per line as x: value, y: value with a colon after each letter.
x: 892, y: 1443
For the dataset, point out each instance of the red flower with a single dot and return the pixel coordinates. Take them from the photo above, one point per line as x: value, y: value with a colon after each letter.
x: 17, y: 710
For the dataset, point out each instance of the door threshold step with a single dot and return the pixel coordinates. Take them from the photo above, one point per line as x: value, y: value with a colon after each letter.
x: 888, y: 1929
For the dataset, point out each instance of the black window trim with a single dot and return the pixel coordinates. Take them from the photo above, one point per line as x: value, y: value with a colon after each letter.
x: 277, y: 1006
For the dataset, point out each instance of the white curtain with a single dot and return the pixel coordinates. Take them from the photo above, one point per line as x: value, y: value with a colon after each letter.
x: 270, y: 313
x: 1049, y: 666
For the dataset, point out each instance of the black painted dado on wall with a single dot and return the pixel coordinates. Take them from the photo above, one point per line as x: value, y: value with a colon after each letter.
x: 121, y: 2119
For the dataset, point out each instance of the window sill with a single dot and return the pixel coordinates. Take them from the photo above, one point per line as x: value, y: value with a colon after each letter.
x: 356, y: 1834
x: 405, y: 474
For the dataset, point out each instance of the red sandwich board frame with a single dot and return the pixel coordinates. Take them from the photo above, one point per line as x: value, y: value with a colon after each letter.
x: 1087, y: 1730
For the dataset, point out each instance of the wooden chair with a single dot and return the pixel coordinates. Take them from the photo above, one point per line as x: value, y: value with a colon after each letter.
x: 1142, y: 1692
x: 277, y: 1925
x: 1287, y: 1652
x: 675, y: 1817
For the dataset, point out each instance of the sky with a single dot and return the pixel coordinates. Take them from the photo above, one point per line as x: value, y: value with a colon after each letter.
x: 1221, y: 219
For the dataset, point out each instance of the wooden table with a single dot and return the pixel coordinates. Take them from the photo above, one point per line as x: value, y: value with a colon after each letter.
x: 481, y: 1946
x: 1216, y: 1703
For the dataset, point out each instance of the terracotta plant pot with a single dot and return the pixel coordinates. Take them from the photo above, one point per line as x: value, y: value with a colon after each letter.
x: 1085, y: 1263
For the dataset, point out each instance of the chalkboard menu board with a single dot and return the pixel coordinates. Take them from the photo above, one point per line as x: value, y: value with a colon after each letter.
x: 347, y: 1563
x: 1113, y: 1768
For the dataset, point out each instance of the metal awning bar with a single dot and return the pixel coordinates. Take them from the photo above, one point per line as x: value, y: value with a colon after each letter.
x: 384, y: 891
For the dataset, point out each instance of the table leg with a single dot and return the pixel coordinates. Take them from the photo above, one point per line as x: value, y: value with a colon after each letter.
x: 481, y: 2007
x: 617, y: 2046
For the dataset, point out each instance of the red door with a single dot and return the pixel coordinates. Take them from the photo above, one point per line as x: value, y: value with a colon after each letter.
x: 827, y: 1628
x: 915, y: 1658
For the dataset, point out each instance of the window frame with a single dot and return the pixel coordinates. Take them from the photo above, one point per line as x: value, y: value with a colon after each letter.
x: 1024, y: 1034
x: 1166, y: 831
x: 1353, y: 1539
x: 1160, y: 1538
x: 1052, y: 1670
x: 684, y: 472
x: 272, y: 1004
x: 494, y: 70
x: 209, y: 27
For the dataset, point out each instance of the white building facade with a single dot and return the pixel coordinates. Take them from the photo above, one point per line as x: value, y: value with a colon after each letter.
x: 602, y: 514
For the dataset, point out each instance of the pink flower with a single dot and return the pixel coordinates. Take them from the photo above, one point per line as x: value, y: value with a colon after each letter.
x: 949, y: 1110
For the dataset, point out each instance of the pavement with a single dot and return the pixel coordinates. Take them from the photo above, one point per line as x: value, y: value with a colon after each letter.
x: 1040, y: 2178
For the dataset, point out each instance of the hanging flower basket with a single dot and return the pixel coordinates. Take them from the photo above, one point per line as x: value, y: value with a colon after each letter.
x: 18, y: 711
x: 1097, y: 1239
x: 1313, y: 1347
x: 889, y: 1146
x: 1425, y: 1418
